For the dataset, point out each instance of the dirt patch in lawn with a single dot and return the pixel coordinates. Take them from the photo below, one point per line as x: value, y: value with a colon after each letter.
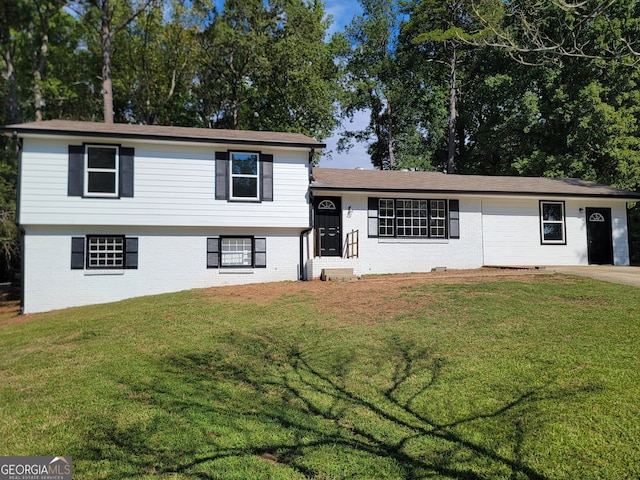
x: 368, y: 300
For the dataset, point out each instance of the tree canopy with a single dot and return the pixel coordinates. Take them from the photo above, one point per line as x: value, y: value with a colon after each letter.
x: 520, y: 87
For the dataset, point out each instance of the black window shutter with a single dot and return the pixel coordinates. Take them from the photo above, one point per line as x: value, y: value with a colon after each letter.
x: 454, y: 218
x: 222, y: 176
x: 213, y: 252
x: 126, y: 171
x: 373, y: 217
x: 266, y: 166
x: 77, y: 253
x: 75, y: 187
x: 260, y: 253
x: 131, y: 253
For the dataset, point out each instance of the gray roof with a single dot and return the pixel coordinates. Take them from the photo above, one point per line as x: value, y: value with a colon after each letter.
x: 123, y: 130
x: 399, y: 182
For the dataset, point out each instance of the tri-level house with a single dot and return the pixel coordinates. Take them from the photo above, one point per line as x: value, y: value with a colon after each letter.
x: 109, y: 212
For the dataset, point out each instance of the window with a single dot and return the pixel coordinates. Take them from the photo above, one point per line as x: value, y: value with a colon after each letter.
x: 236, y: 252
x: 412, y: 218
x: 104, y: 171
x: 387, y: 217
x: 104, y: 252
x: 244, y: 176
x: 552, y: 225
x: 101, y: 172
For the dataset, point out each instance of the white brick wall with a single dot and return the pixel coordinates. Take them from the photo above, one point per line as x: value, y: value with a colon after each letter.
x: 512, y: 232
x: 169, y: 260
x: 391, y: 255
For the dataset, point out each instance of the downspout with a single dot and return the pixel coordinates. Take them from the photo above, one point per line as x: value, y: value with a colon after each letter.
x: 19, y: 143
x: 305, y: 232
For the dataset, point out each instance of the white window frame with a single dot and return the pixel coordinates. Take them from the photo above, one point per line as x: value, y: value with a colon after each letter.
x: 413, y: 218
x: 386, y: 221
x: 236, y: 252
x: 105, y: 252
x: 233, y: 176
x: 544, y: 222
x: 437, y: 219
x: 89, y: 170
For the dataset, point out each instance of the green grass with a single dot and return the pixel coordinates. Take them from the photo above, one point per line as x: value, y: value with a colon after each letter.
x: 535, y: 379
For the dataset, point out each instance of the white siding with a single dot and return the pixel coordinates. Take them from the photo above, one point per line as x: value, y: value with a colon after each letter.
x: 174, y: 184
x: 399, y: 255
x: 511, y: 229
x: 169, y: 260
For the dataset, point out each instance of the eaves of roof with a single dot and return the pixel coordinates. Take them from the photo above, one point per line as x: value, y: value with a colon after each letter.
x: 71, y: 128
x: 394, y: 182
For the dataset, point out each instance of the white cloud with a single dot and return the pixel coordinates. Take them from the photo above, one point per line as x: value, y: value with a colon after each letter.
x: 342, y: 12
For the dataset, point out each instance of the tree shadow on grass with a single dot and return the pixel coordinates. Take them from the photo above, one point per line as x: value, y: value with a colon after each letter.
x: 273, y: 405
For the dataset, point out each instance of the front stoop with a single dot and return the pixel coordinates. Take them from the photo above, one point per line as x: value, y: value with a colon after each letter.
x: 337, y: 274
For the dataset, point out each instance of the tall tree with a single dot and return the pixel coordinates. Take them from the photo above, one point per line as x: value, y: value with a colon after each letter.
x: 368, y: 54
x: 266, y: 67
x: 156, y: 59
x: 445, y: 28
x: 109, y: 17
x: 234, y: 45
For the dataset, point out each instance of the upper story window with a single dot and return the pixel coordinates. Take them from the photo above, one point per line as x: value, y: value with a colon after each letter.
x: 101, y: 171
x: 244, y: 176
x: 104, y: 171
x: 552, y: 223
x: 245, y: 180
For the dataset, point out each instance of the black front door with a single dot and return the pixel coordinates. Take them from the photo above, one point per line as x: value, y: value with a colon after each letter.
x: 599, y: 241
x: 328, y: 220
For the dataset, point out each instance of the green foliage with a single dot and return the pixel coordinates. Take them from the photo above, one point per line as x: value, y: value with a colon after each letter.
x: 267, y: 67
x: 530, y: 378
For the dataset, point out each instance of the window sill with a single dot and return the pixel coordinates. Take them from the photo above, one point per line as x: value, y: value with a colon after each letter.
x: 433, y: 241
x: 95, y: 273
x: 245, y: 271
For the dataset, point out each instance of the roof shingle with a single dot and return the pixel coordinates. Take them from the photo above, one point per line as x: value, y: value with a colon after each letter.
x: 123, y: 130
x: 433, y: 182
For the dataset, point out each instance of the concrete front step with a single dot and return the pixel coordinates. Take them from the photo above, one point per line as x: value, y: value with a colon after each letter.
x: 337, y: 274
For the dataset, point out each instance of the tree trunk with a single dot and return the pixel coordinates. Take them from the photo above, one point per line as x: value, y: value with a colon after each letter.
x: 9, y: 76
x: 107, y: 84
x: 392, y: 158
x: 40, y: 62
x: 451, y: 156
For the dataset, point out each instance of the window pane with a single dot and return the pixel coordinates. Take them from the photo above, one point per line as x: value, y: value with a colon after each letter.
x: 553, y: 231
x: 245, y: 187
x: 106, y: 252
x: 552, y: 211
x: 101, y: 182
x: 236, y: 252
x: 244, y: 164
x: 101, y: 157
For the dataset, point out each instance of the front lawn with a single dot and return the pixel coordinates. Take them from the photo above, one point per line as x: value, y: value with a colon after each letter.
x: 523, y: 377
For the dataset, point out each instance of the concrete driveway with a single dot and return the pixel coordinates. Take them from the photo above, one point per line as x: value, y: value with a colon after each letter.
x: 608, y: 273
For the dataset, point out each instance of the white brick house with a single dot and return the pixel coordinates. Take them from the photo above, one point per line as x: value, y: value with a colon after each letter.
x: 109, y: 212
